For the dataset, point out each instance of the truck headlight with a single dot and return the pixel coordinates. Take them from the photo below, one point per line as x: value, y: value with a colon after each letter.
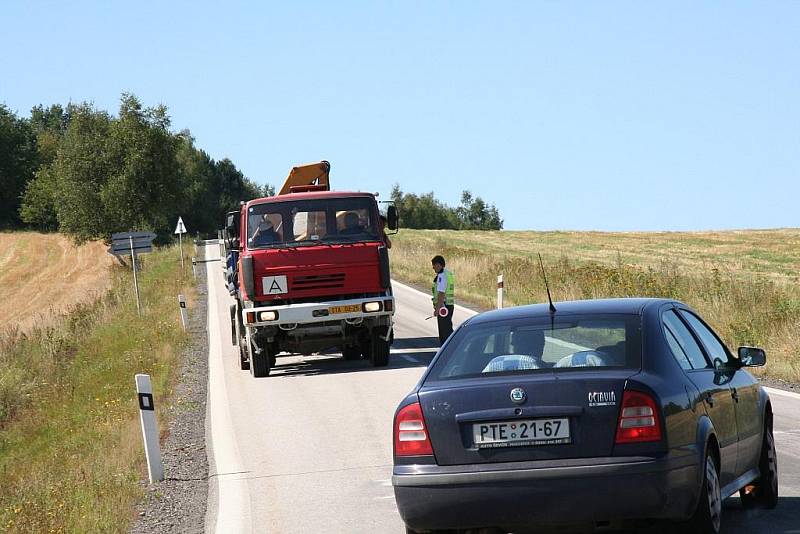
x: 371, y: 307
x: 268, y: 316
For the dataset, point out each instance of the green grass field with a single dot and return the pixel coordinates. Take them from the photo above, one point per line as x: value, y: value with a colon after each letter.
x: 745, y: 283
x: 71, y: 454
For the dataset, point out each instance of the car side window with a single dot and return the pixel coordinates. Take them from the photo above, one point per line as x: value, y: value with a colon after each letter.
x: 683, y: 336
x: 716, y: 350
x: 677, y: 351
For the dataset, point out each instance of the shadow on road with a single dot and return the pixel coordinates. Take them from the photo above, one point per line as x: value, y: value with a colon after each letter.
x: 417, y: 343
x: 784, y: 519
x: 329, y: 364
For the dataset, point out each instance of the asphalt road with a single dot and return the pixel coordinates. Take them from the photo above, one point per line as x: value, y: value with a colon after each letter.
x: 308, y: 449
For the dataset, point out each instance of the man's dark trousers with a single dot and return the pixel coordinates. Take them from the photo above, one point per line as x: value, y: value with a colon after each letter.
x: 445, y: 324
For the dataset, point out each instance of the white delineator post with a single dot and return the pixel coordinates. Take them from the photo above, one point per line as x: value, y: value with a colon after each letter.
x: 194, y: 271
x: 500, y: 292
x: 147, y: 414
x: 182, y: 304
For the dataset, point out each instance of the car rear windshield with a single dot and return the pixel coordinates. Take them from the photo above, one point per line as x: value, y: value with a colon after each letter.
x: 539, y: 346
x: 297, y: 223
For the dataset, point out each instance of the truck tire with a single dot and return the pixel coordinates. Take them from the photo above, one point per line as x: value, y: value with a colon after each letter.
x: 238, y: 333
x: 260, y: 363
x: 380, y: 351
x: 234, y: 340
x: 351, y: 352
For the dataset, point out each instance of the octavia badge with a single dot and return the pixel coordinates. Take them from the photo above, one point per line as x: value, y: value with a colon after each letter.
x: 518, y: 395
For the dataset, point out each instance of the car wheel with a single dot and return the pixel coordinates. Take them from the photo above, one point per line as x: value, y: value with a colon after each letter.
x: 351, y: 352
x: 765, y: 490
x: 708, y: 516
x: 380, y: 351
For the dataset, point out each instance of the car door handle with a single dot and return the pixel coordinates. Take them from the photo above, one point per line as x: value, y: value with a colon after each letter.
x: 710, y: 399
x: 735, y: 394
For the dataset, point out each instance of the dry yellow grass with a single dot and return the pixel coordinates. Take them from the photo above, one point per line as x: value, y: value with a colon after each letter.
x: 745, y: 283
x: 42, y: 275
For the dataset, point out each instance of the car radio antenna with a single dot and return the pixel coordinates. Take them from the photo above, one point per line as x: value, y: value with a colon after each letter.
x: 546, y: 286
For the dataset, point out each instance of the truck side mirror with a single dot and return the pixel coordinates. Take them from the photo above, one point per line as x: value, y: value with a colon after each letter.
x: 391, y: 217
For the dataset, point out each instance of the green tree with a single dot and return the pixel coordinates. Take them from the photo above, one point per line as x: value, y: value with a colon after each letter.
x: 18, y: 161
x: 39, y: 199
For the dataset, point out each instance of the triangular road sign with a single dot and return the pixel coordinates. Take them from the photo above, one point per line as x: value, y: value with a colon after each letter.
x: 180, y: 228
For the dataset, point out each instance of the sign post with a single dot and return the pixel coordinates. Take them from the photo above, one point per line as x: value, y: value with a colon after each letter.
x: 147, y: 415
x: 180, y: 229
x: 132, y: 243
x: 135, y: 280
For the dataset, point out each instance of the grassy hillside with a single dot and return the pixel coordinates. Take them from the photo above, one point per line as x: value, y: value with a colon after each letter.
x: 71, y: 454
x: 745, y: 283
x: 45, y: 273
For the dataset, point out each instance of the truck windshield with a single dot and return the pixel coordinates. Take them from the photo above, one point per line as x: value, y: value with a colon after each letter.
x: 308, y: 222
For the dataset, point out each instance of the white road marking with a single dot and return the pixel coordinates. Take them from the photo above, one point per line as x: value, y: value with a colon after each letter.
x: 782, y: 393
x: 232, y: 513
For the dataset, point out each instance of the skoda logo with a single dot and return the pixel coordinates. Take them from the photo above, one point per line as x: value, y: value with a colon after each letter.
x: 518, y: 395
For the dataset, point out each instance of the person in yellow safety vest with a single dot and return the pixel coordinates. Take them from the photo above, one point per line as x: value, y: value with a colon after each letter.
x: 443, y: 291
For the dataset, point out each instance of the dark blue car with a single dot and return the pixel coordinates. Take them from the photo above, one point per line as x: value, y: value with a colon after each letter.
x: 602, y: 413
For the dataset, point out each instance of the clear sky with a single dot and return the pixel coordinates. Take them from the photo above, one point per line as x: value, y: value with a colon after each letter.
x: 567, y: 115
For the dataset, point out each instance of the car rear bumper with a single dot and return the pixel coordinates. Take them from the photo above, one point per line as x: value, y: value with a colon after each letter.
x: 545, y: 493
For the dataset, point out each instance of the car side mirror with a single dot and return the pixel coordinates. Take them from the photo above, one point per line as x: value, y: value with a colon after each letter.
x: 752, y: 356
x: 391, y: 217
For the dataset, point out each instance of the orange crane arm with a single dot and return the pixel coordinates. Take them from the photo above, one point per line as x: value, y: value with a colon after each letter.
x: 310, y: 174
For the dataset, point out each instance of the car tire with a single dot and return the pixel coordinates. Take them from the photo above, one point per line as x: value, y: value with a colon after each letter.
x: 707, y: 518
x: 765, y: 492
x: 380, y: 351
x: 351, y: 352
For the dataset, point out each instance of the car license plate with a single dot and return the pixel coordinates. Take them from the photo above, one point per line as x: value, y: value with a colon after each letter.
x: 352, y: 308
x: 521, y: 433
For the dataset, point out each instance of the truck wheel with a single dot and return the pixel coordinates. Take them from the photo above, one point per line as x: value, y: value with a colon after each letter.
x: 259, y: 363
x: 380, y: 351
x: 234, y: 340
x: 351, y: 352
x: 244, y: 362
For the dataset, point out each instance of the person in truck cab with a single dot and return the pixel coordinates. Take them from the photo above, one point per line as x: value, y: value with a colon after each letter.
x: 382, y: 231
x: 265, y: 233
x: 352, y: 224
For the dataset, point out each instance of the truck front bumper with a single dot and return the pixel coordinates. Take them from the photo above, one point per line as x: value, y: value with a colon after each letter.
x: 352, y: 311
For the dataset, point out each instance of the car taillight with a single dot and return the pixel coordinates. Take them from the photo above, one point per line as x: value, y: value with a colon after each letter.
x: 410, y: 435
x: 638, y: 419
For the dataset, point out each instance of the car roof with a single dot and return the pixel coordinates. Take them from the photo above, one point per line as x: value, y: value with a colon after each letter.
x: 632, y: 306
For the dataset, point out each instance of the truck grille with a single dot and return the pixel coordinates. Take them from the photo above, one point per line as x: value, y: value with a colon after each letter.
x: 318, y: 281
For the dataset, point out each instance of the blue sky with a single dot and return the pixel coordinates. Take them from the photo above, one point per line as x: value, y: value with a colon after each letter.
x: 566, y: 115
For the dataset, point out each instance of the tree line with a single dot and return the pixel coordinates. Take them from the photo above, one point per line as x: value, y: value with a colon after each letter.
x: 426, y: 212
x: 86, y: 173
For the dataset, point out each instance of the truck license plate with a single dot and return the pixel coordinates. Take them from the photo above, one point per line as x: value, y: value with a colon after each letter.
x: 521, y: 433
x: 352, y: 308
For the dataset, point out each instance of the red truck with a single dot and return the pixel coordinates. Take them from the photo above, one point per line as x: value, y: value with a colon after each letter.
x: 309, y: 272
